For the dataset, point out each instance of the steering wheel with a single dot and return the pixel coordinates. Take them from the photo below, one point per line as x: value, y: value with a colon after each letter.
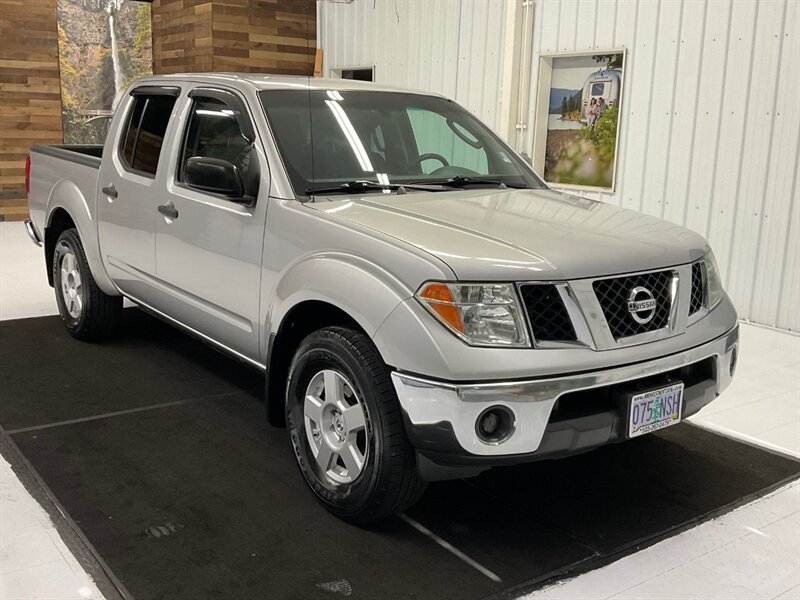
x: 428, y: 155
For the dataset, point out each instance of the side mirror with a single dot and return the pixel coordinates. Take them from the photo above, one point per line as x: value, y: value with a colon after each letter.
x: 214, y: 175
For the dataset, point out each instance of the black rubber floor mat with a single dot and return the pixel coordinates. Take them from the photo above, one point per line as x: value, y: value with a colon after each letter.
x: 202, y: 499
x: 51, y: 377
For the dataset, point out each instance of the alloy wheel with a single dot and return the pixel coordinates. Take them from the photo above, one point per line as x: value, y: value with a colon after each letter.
x: 71, y: 284
x: 336, y: 426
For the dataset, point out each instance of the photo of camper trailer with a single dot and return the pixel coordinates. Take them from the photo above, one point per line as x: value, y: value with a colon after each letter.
x: 582, y: 124
x: 603, y: 84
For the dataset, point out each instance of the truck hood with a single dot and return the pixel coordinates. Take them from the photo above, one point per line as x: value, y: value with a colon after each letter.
x: 517, y: 235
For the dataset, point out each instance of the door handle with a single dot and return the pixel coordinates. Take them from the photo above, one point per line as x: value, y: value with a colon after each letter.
x: 168, y: 210
x: 110, y: 191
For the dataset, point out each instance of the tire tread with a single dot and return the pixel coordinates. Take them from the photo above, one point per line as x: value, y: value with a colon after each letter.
x: 401, y: 486
x: 102, y: 311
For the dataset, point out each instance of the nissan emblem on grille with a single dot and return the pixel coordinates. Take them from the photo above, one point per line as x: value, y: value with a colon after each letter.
x: 642, y: 305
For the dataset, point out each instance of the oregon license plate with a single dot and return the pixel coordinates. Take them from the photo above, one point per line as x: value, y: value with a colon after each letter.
x: 654, y: 410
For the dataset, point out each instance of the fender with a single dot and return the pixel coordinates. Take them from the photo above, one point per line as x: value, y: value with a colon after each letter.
x: 344, y: 281
x: 67, y: 196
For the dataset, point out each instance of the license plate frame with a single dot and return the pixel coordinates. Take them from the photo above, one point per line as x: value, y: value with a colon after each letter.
x: 669, y: 396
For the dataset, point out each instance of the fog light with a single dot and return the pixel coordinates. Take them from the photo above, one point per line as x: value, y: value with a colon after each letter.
x: 495, y: 425
x: 734, y: 358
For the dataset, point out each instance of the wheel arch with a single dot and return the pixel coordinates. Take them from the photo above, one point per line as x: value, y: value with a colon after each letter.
x: 59, y: 221
x: 67, y: 207
x: 302, y: 319
x: 320, y: 291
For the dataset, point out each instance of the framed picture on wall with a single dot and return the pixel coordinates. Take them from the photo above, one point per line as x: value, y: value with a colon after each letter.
x: 576, y: 133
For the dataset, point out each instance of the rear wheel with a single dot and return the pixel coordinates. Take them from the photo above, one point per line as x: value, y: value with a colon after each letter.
x: 87, y: 312
x: 347, y: 428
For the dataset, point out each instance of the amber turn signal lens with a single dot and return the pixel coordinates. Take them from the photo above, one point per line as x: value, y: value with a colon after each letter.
x: 438, y: 292
x: 440, y: 300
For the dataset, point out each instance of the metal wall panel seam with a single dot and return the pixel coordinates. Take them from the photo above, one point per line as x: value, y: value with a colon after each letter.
x: 626, y: 102
x: 672, y: 110
x: 744, y: 135
x: 458, y: 47
x: 769, y: 155
x: 575, y: 30
x: 685, y: 219
x: 781, y: 237
x: 649, y: 108
x: 712, y: 195
x: 785, y: 257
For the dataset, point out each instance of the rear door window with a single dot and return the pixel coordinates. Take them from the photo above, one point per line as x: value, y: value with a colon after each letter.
x: 144, y: 135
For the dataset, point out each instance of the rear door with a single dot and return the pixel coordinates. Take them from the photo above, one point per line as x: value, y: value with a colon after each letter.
x: 209, y: 245
x: 129, y: 177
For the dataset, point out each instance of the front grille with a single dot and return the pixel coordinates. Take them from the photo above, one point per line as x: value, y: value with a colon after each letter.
x: 613, y: 295
x: 698, y: 299
x: 547, y: 314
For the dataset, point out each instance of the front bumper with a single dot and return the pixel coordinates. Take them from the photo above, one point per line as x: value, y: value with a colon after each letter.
x: 441, y: 417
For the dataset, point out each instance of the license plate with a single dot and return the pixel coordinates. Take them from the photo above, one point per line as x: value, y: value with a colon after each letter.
x: 654, y: 410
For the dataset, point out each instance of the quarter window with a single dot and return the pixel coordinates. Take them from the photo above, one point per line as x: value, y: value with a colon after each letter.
x: 144, y: 136
x: 132, y: 132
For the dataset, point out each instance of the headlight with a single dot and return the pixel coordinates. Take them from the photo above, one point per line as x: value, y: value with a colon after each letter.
x: 481, y: 314
x: 714, y: 281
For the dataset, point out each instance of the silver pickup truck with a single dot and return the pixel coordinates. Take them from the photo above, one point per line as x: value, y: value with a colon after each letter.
x: 424, y: 307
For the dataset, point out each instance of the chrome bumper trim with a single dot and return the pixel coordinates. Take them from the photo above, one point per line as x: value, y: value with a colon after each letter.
x: 428, y: 402
x: 32, y: 232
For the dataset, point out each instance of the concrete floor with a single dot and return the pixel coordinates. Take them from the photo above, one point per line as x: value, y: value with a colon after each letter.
x: 753, y: 552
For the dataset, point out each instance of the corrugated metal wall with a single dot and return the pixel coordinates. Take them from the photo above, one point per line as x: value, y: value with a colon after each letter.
x: 710, y: 128
x: 450, y: 47
x: 710, y: 132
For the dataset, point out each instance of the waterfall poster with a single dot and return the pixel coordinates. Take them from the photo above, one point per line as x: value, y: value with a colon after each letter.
x: 103, y: 46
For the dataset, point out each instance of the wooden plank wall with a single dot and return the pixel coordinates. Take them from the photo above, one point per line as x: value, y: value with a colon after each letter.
x: 267, y: 36
x: 270, y: 36
x: 182, y: 36
x: 30, y: 95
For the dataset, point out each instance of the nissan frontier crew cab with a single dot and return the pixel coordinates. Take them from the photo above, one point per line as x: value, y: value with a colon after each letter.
x: 424, y: 307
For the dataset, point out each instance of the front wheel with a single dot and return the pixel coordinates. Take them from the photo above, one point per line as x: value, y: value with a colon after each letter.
x: 346, y: 427
x: 87, y: 312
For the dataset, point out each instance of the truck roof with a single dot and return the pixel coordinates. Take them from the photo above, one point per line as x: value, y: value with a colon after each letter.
x: 266, y: 81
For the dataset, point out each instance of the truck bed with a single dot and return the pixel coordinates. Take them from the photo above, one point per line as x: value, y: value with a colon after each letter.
x: 84, y: 154
x: 67, y: 175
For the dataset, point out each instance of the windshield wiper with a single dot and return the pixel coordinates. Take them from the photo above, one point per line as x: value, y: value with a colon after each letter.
x: 462, y: 180
x: 365, y: 186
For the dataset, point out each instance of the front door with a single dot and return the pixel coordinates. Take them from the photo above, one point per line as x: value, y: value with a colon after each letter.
x: 208, y: 242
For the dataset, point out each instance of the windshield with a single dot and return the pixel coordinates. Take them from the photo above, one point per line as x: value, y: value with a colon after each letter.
x: 386, y: 138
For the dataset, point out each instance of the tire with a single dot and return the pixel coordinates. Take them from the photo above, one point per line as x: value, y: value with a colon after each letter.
x: 387, y: 481
x: 88, y: 313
